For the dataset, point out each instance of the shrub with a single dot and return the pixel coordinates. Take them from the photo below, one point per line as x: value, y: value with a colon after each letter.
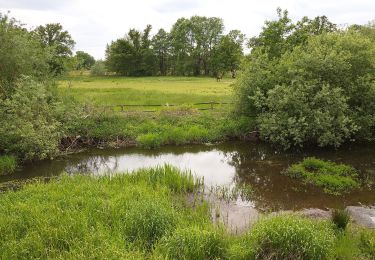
x: 320, y: 92
x: 333, y: 178
x: 340, y: 218
x: 98, y: 69
x: 147, y: 221
x: 290, y: 237
x: 193, y: 243
x: 28, y: 125
x: 7, y: 164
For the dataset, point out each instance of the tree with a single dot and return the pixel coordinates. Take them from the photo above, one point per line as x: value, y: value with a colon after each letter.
x: 282, y: 35
x: 161, y: 47
x: 227, y: 55
x: 132, y: 55
x: 58, y: 42
x: 20, y: 54
x: 84, y: 60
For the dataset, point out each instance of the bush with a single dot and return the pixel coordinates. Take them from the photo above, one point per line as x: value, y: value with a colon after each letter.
x: 98, y: 69
x: 320, y: 92
x: 333, y: 178
x: 147, y: 221
x: 193, y: 243
x: 290, y: 237
x: 7, y: 164
x: 340, y: 218
x: 28, y: 124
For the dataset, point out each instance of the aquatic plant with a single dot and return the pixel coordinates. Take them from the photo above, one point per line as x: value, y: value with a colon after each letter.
x: 333, y: 178
x: 8, y: 164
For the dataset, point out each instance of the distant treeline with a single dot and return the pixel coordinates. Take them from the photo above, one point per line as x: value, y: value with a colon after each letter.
x: 193, y: 47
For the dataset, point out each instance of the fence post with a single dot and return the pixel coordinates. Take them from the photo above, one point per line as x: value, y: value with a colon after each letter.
x: 122, y: 108
x: 212, y: 105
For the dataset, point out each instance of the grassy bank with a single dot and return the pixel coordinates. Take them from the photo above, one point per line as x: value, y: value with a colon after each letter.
x: 153, y: 213
x: 184, y: 123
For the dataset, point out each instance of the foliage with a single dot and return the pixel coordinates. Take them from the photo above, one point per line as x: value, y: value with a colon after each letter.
x: 29, y: 127
x: 98, y: 68
x: 8, y: 164
x: 333, y: 178
x: 194, y: 46
x: 340, y: 218
x: 289, y: 237
x: 228, y: 53
x: 318, y: 92
x: 58, y: 42
x: 132, y: 55
x: 20, y: 54
x: 193, y: 243
x: 84, y: 60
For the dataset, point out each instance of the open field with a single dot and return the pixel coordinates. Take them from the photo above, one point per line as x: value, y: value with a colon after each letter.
x: 112, y: 90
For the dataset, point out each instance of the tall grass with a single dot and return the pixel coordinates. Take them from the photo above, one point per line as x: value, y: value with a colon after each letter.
x: 151, y: 214
x: 8, y: 164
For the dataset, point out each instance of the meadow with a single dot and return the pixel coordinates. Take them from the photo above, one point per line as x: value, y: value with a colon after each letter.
x: 184, y: 123
x: 112, y: 90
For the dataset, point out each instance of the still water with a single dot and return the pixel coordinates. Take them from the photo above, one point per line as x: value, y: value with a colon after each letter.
x: 226, y: 164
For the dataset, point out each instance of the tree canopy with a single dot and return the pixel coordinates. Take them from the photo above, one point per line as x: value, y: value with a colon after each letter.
x: 192, y: 47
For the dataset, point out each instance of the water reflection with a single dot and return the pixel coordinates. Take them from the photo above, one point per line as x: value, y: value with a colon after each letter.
x: 256, y: 164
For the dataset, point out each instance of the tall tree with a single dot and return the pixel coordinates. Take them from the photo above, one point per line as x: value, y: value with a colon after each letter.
x: 59, y: 42
x: 132, y: 55
x: 84, y: 60
x: 161, y: 47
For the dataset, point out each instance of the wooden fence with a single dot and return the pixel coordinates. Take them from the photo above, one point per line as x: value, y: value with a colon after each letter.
x: 124, y: 106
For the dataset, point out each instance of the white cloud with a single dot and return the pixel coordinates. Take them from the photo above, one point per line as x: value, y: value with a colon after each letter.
x: 94, y: 24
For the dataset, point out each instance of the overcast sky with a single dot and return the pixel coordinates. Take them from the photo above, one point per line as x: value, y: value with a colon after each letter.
x: 93, y: 23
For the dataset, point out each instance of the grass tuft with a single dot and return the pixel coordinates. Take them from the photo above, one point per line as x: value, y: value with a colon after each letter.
x: 8, y: 164
x: 334, y: 178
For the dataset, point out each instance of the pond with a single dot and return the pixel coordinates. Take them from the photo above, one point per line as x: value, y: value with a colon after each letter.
x: 256, y: 164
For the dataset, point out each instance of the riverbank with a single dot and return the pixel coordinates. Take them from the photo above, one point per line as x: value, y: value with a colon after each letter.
x: 153, y: 213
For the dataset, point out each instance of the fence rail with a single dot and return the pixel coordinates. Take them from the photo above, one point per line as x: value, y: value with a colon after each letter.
x: 124, y: 106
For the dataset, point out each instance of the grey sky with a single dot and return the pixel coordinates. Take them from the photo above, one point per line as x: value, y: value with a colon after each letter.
x: 93, y: 23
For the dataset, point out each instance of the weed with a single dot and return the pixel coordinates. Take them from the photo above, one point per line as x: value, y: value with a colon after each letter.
x: 8, y: 164
x: 340, y: 218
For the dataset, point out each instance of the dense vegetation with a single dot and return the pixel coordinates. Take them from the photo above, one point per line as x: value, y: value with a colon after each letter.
x: 195, y: 46
x: 153, y: 213
x: 310, y: 82
x: 333, y: 178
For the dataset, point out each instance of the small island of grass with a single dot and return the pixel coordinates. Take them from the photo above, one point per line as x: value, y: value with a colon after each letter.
x: 332, y: 177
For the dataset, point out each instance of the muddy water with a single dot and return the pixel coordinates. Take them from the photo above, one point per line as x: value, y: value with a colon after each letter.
x: 226, y: 164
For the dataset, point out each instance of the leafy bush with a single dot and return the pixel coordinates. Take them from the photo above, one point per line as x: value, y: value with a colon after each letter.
x: 147, y: 221
x: 340, y: 218
x: 320, y: 92
x: 333, y: 178
x: 7, y: 164
x: 290, y: 237
x: 98, y: 69
x: 28, y: 125
x: 193, y: 243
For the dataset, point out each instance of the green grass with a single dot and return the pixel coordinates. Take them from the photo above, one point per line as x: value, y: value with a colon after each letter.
x: 176, y: 127
x: 333, y: 178
x: 154, y: 213
x: 112, y: 90
x: 8, y: 164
